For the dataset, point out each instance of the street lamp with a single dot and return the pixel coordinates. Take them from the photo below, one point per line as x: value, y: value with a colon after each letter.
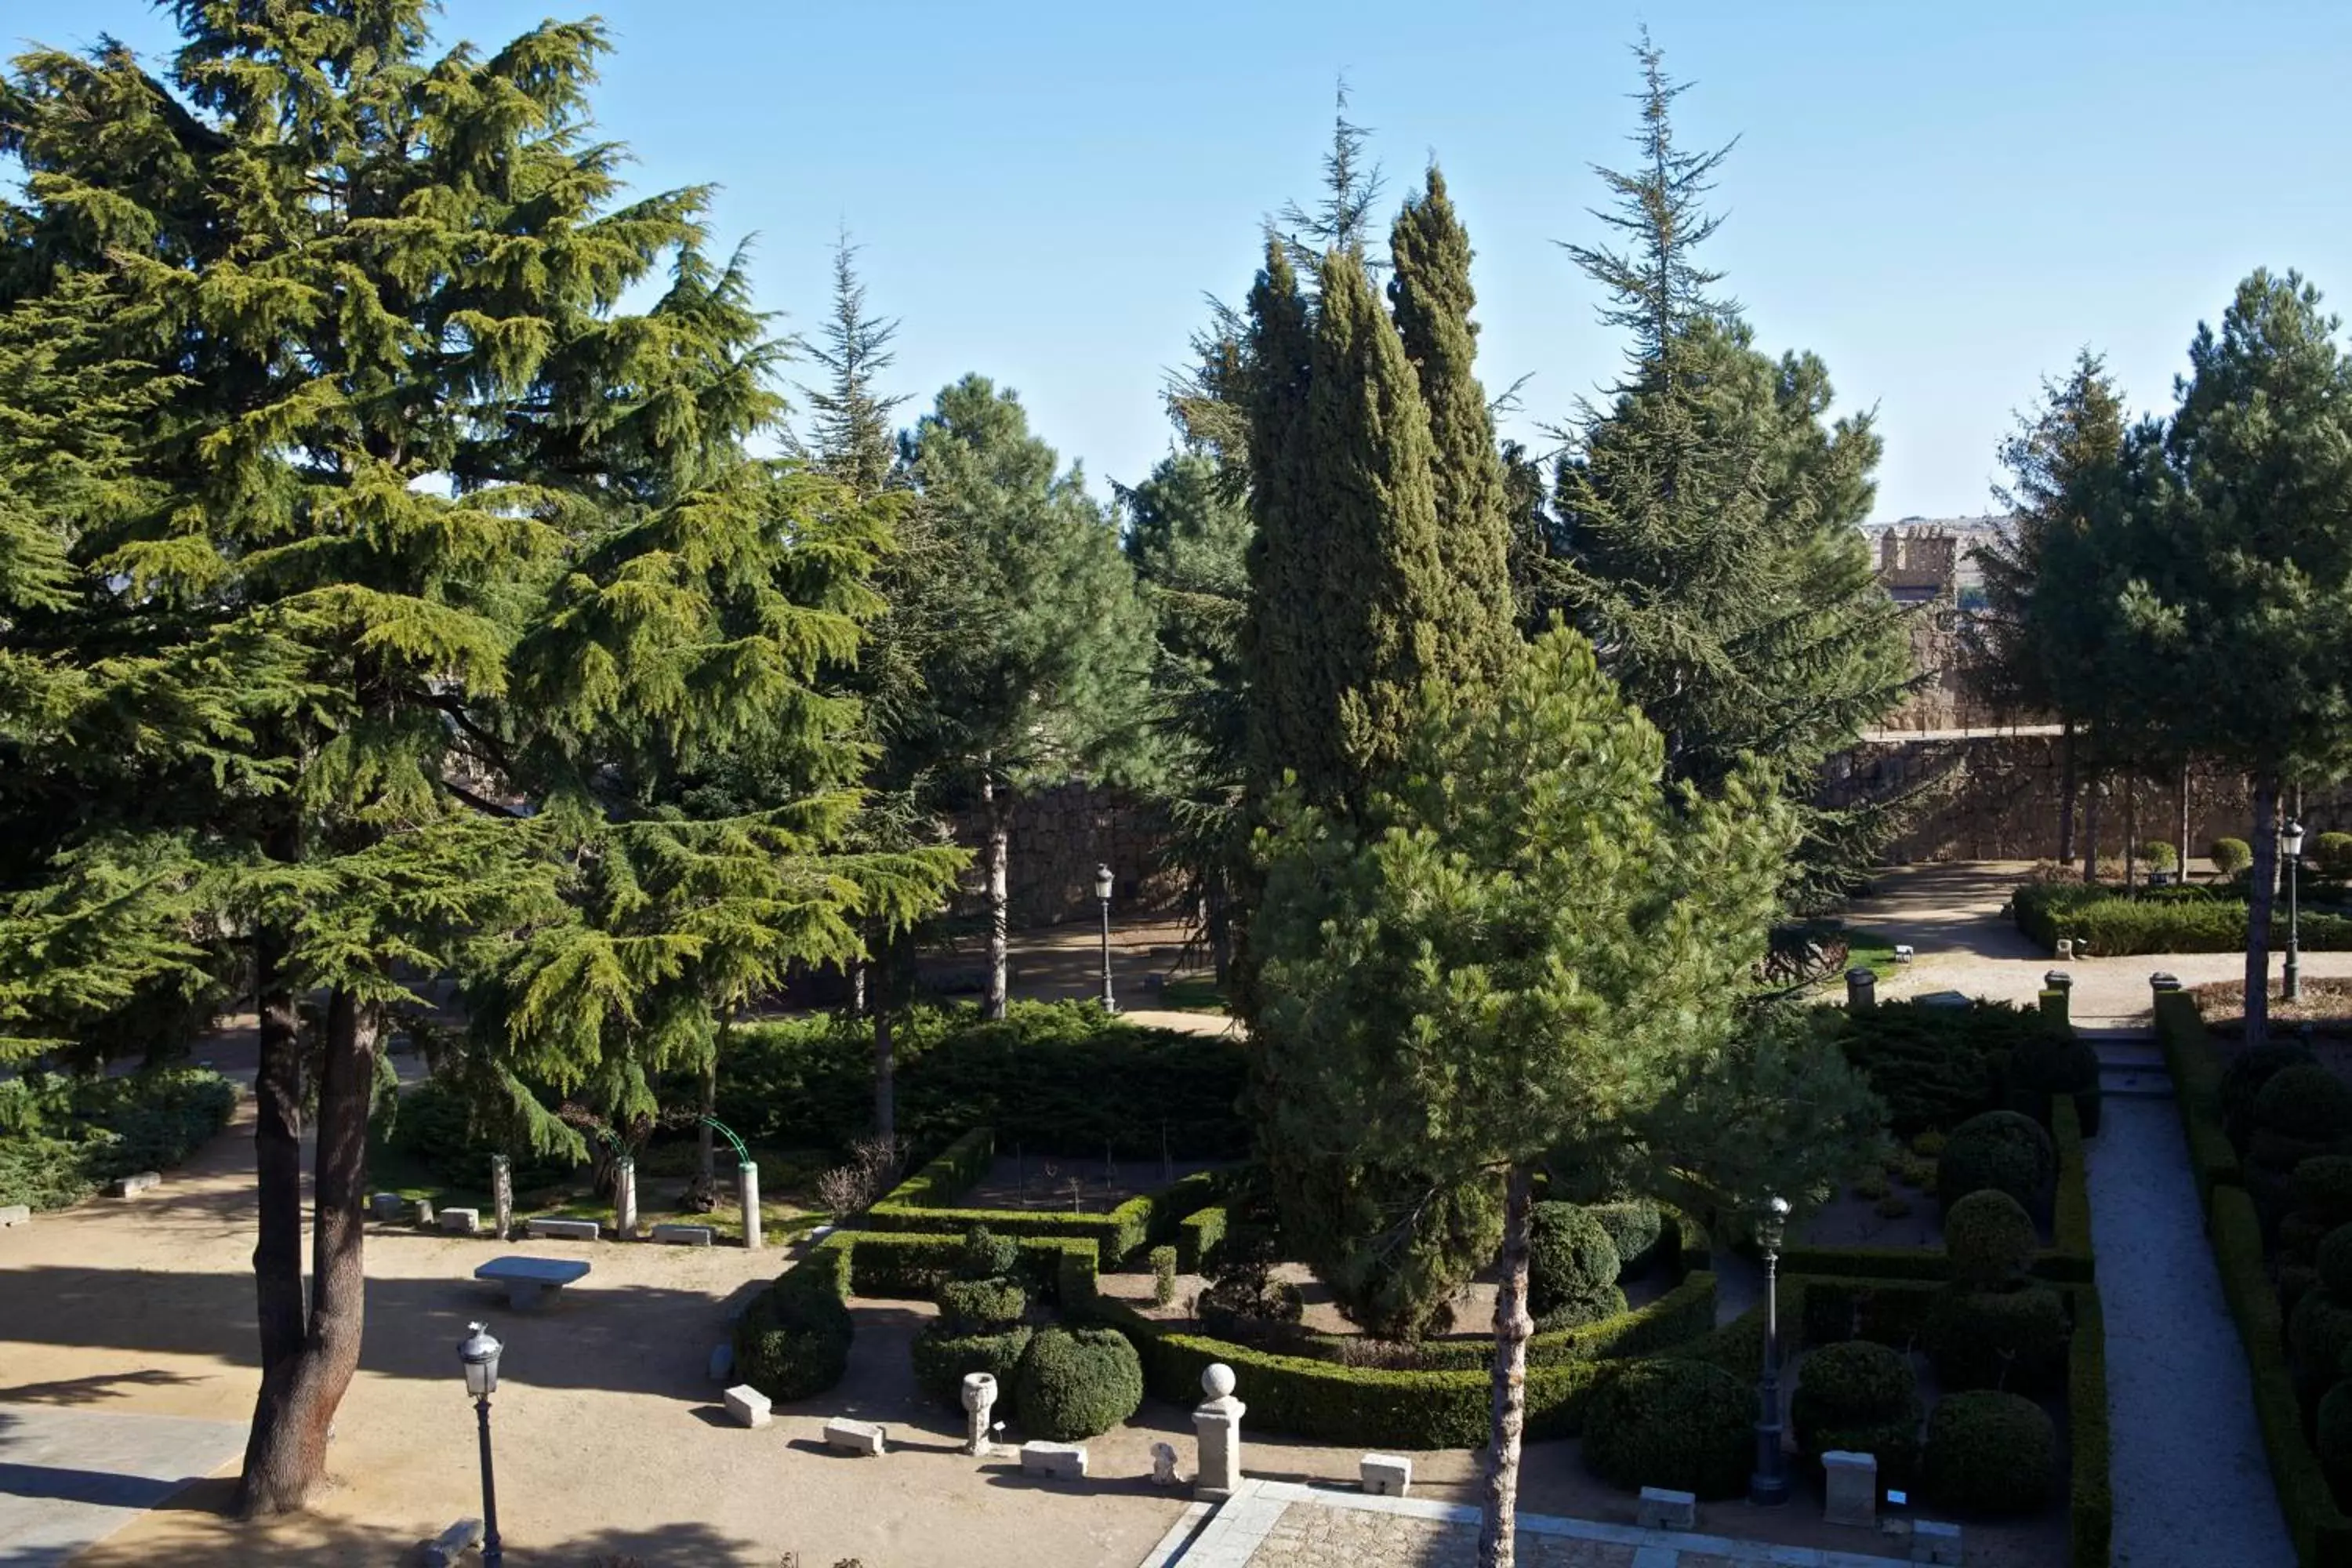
x: 480, y: 1352
x: 1768, y: 1486
x: 2291, y: 841
x: 1104, y: 882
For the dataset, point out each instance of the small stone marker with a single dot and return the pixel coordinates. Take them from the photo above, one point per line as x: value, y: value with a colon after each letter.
x: 722, y: 1363
x: 747, y: 1196
x: 2066, y: 948
x: 749, y: 1406
x: 1903, y: 953
x: 624, y: 1199
x: 1384, y: 1474
x: 1163, y: 1464
x: 14, y: 1214
x: 1661, y: 1508
x: 424, y: 1215
x: 685, y: 1234
x: 1217, y: 1423
x: 135, y: 1183
x: 445, y: 1549
x: 502, y: 1193
x: 387, y: 1205
x: 565, y: 1229
x: 461, y: 1222
x: 863, y: 1438
x: 1062, y: 1461
x: 1933, y: 1542
x: 979, y: 1396
x: 1851, y: 1483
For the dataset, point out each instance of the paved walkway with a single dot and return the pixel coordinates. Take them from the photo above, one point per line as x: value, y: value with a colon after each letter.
x: 69, y: 1479
x: 1282, y: 1524
x: 2192, y: 1488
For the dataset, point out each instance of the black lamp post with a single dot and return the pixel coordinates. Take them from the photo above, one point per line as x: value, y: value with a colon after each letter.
x: 1768, y: 1486
x: 480, y: 1352
x: 1104, y: 882
x: 2291, y: 841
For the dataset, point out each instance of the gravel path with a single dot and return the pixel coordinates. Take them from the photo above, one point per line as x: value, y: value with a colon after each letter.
x: 2192, y: 1488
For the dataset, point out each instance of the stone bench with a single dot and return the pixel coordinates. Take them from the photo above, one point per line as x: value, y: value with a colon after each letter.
x: 863, y: 1438
x: 14, y: 1214
x: 565, y: 1229
x: 449, y: 1548
x: 1385, y: 1475
x: 387, y: 1205
x: 748, y: 1405
x: 1062, y: 1461
x: 685, y: 1234
x: 1661, y: 1509
x: 129, y: 1185
x: 460, y: 1222
x: 531, y: 1281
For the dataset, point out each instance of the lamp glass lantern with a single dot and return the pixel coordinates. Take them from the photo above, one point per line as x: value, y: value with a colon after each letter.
x: 480, y: 1352
x: 2291, y: 840
x: 1104, y: 882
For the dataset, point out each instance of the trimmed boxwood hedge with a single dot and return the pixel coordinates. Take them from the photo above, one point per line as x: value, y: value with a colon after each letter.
x: 2170, y: 920
x: 793, y: 1338
x: 1861, y: 1397
x: 2091, y: 1500
x: 1679, y: 1424
x: 2195, y: 1068
x: 1077, y: 1383
x: 942, y: 1360
x: 2003, y: 1150
x: 1197, y: 1237
x: 1990, y: 1453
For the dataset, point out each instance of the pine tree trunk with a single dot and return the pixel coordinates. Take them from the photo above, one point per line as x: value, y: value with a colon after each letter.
x: 706, y: 1142
x: 277, y: 1156
x: 2184, y: 821
x: 2131, y: 833
x: 2066, y: 795
x: 885, y: 1049
x: 2091, y: 829
x: 287, y: 1454
x: 1000, y: 899
x: 2260, y: 896
x: 1499, y: 1491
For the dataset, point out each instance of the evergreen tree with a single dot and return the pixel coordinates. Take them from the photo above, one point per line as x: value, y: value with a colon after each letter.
x: 1430, y: 295
x: 2244, y: 608
x: 1049, y: 677
x: 851, y: 436
x: 1342, y: 219
x: 1517, y: 949
x: 1706, y: 521
x: 489, y: 564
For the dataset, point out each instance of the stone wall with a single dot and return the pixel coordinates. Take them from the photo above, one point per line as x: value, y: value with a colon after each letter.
x: 1997, y: 798
x: 1059, y: 837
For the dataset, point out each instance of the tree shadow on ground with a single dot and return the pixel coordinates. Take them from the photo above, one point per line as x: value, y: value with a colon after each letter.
x: 91, y: 1390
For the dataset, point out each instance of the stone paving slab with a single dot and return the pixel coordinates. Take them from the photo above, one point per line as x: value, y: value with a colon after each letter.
x: 69, y: 1477
x: 1282, y: 1524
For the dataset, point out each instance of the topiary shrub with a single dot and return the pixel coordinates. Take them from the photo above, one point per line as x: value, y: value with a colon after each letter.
x: 2160, y: 856
x: 1635, y: 1227
x: 1077, y: 1383
x: 2331, y: 1439
x: 1989, y: 1238
x: 985, y: 1255
x: 2332, y: 853
x: 2229, y: 856
x: 1572, y: 1266
x: 2055, y: 1064
x: 2001, y: 1150
x: 980, y: 1306
x: 1163, y: 1275
x: 2306, y: 1103
x: 1990, y: 1453
x: 2295, y: 1281
x: 2012, y: 1339
x: 1683, y: 1425
x: 941, y: 1360
x: 2318, y: 1335
x: 793, y: 1340
x: 1861, y: 1397
x: 2322, y: 1188
x: 2334, y: 1262
x: 2243, y: 1080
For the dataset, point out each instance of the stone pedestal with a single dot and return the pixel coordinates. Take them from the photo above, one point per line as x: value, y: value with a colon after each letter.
x: 747, y: 1193
x: 1662, y: 1508
x: 1384, y: 1474
x: 502, y: 1193
x: 1218, y: 1424
x: 1850, y: 1482
x: 624, y: 1200
x: 978, y: 1399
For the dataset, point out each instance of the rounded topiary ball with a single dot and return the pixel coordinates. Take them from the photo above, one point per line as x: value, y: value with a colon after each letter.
x: 1635, y: 1227
x: 1570, y: 1259
x: 1077, y: 1383
x: 986, y: 1255
x: 1990, y: 1453
x: 2323, y: 1187
x: 2331, y: 1438
x: 1861, y: 1397
x: 2332, y: 853
x: 2305, y: 1103
x: 2229, y: 856
x: 2334, y: 1263
x: 2319, y: 1333
x: 1989, y: 1238
x: 1997, y: 1339
x: 2001, y: 1150
x: 1683, y: 1425
x: 2245, y: 1077
x: 793, y: 1340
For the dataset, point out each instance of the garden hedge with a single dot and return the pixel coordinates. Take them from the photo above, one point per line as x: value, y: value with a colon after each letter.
x: 1990, y: 1453
x: 2091, y: 1497
x: 1679, y: 1424
x: 2195, y: 1068
x: 1197, y: 1236
x: 1076, y: 1384
x: 61, y: 1138
x: 2168, y: 920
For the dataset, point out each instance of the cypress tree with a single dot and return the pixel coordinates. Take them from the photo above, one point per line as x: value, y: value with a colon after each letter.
x: 1430, y: 295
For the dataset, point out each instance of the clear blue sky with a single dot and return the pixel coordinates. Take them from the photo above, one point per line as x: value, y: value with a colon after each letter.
x: 1942, y: 201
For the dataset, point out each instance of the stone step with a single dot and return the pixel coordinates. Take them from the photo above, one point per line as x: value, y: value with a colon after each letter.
x: 2139, y: 1090
x: 2154, y: 1063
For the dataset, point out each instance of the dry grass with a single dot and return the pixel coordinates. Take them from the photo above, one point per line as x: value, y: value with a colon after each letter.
x: 2325, y: 1005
